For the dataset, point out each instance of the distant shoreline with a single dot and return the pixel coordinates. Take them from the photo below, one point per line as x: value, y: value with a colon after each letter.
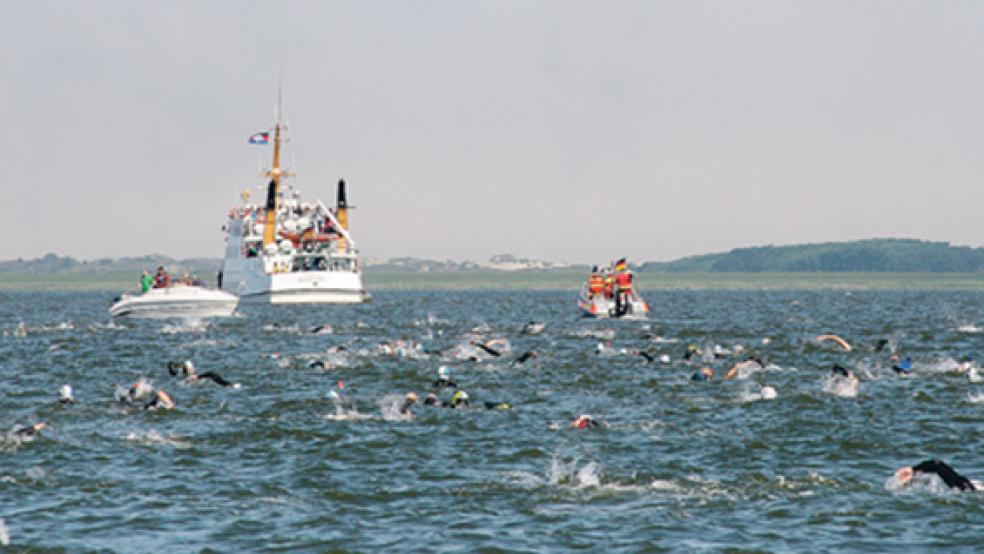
x: 571, y: 280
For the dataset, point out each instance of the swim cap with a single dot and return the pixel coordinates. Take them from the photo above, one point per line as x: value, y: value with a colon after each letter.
x: 412, y: 396
x: 459, y: 397
x: 442, y: 371
x: 906, y: 364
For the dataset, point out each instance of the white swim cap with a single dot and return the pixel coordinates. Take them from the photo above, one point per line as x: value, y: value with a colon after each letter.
x: 769, y: 393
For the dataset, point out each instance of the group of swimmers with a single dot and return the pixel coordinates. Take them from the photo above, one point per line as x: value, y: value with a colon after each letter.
x: 149, y: 398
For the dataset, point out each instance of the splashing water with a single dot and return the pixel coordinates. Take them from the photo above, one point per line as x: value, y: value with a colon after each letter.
x: 838, y: 385
x: 390, y: 405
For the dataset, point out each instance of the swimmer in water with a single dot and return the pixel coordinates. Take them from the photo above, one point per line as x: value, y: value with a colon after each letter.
x: 137, y: 391
x: 841, y: 371
x: 161, y: 400
x: 752, y: 362
x: 584, y: 421
x: 459, y: 400
x: 692, y: 351
x: 490, y: 405
x: 65, y: 395
x: 193, y: 376
x: 533, y: 328
x: 952, y: 479
x: 704, y: 374
x: 525, y: 357
x: 903, y: 366
x: 25, y: 431
x: 409, y: 401
x: 444, y: 379
x: 488, y: 349
x: 433, y: 400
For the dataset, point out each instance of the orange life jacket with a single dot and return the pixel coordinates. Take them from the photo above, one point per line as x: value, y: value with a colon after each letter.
x: 624, y: 281
x: 596, y: 283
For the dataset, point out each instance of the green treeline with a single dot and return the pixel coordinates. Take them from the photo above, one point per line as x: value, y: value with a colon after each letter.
x: 874, y: 255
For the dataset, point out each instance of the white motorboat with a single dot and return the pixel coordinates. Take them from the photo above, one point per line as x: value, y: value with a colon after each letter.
x: 289, y: 251
x: 601, y: 296
x: 176, y: 301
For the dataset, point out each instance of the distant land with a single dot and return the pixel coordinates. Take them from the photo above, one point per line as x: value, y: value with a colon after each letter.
x: 872, y: 256
x: 862, y: 256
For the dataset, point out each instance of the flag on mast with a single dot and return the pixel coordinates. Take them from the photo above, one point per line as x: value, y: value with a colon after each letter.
x: 263, y: 137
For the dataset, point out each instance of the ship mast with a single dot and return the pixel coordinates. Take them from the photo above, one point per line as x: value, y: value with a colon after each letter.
x: 275, y: 174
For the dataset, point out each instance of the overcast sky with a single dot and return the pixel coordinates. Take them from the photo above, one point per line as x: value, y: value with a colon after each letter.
x: 561, y: 130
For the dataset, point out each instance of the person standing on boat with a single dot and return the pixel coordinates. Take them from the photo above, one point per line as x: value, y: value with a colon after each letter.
x: 624, y: 281
x: 146, y: 281
x: 162, y: 280
x: 609, y: 285
x: 596, y: 283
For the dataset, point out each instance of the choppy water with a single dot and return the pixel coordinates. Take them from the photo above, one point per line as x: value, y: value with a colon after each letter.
x: 681, y: 465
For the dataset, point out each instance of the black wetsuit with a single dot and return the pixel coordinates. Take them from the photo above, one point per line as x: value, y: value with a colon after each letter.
x: 840, y: 370
x: 153, y: 404
x: 949, y: 476
x: 432, y: 400
x: 490, y: 405
x: 25, y: 431
x: 445, y: 382
x: 215, y: 377
x: 525, y: 357
x: 649, y: 357
x: 491, y: 351
x: 881, y: 344
x: 176, y: 368
x: 405, y: 408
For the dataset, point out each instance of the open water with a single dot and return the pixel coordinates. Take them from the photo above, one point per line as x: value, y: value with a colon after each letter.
x: 678, y: 466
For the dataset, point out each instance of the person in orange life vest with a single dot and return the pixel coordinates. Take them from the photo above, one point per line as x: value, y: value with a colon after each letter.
x: 609, y: 286
x: 596, y: 283
x: 624, y: 281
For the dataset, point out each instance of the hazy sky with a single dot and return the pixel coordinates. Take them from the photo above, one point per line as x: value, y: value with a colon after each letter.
x: 560, y: 130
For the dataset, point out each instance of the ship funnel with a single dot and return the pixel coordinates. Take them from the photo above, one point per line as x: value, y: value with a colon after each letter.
x: 342, y: 200
x: 270, y: 223
x: 341, y: 211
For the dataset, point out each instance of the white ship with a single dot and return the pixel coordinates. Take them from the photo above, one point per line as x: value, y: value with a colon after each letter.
x: 290, y: 251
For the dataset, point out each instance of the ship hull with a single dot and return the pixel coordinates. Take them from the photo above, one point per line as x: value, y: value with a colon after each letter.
x: 301, y: 287
x: 176, y: 302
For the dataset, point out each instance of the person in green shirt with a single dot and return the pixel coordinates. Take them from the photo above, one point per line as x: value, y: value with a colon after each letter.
x: 146, y: 281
